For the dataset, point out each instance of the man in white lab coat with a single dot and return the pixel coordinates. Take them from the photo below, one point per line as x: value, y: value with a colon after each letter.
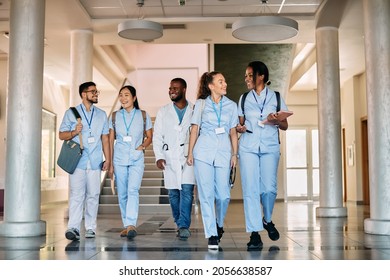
x: 170, y: 146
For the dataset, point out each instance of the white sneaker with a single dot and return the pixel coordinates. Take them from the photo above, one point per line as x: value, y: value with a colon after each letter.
x: 72, y: 234
x: 89, y: 234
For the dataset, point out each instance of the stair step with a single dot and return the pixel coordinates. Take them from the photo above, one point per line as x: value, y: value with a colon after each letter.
x: 153, y: 196
x: 151, y: 166
x: 143, y: 209
x: 143, y: 199
x: 146, y: 181
x: 145, y: 190
x: 153, y: 174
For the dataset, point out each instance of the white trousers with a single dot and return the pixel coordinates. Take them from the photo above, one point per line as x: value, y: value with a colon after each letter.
x: 84, y: 197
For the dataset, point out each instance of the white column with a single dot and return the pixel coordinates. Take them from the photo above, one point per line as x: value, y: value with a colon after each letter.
x: 81, y: 55
x: 24, y: 126
x: 329, y: 121
x: 377, y: 43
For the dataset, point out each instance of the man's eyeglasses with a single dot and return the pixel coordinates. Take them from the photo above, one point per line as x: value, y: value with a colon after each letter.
x: 94, y: 92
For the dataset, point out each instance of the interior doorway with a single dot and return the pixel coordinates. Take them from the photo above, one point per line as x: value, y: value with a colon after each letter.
x: 365, y: 163
x: 302, y: 164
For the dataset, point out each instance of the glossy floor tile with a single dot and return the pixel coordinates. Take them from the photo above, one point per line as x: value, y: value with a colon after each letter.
x: 302, y: 237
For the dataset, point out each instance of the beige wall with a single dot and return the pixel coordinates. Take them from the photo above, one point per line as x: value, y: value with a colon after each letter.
x: 354, y: 108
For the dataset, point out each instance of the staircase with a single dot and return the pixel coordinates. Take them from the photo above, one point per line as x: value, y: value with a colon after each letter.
x: 153, y: 198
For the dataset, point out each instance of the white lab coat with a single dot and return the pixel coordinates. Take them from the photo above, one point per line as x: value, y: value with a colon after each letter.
x: 170, y: 142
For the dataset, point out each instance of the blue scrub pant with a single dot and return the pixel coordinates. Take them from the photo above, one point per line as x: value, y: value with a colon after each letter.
x: 181, y: 204
x: 214, y: 195
x: 128, y: 182
x: 259, y: 187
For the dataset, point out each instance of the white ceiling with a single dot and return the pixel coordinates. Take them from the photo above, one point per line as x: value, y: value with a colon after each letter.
x: 198, y: 21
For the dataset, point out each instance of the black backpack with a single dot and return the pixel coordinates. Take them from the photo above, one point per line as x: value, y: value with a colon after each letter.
x: 277, y: 93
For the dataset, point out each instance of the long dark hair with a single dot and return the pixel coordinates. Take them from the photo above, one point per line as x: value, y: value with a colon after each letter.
x: 259, y: 68
x: 133, y: 93
x: 205, y: 80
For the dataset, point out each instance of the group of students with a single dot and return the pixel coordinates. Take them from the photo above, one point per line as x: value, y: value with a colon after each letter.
x: 194, y: 144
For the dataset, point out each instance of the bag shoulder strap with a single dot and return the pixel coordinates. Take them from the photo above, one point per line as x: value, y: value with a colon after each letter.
x: 75, y: 112
x: 78, y: 117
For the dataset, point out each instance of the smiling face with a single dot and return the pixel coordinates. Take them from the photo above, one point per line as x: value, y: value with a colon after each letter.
x: 91, y: 94
x: 126, y: 99
x: 176, y: 91
x: 219, y: 85
x: 249, y: 78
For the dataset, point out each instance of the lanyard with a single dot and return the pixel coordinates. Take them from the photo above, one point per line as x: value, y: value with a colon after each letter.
x: 89, y: 122
x: 220, y: 110
x: 131, y: 121
x: 261, y: 108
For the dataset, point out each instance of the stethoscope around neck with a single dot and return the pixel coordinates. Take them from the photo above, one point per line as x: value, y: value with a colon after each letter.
x: 165, y: 147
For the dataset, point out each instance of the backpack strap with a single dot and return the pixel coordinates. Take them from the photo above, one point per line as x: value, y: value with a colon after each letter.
x: 144, y: 118
x: 242, y: 104
x: 277, y: 93
x: 113, y: 118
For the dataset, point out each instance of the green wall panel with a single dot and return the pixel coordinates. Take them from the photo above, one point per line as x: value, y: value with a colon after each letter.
x: 232, y: 59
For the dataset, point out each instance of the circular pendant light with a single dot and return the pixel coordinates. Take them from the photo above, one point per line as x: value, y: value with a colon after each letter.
x: 140, y: 29
x: 264, y: 29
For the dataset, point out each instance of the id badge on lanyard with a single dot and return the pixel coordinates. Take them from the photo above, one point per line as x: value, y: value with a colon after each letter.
x: 127, y: 138
x: 219, y: 130
x: 260, y: 123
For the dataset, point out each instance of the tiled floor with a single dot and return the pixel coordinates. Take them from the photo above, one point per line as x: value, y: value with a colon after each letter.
x: 303, y: 237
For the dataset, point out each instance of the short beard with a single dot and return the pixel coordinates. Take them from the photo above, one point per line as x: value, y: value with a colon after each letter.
x: 92, y: 101
x: 178, y: 98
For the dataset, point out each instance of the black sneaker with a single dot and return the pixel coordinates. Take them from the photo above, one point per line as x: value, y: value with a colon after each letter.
x: 255, y: 243
x: 271, y: 229
x: 72, y: 234
x: 220, y: 232
x: 213, y: 243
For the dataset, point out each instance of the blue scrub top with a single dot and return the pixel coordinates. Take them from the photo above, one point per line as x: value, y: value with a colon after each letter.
x: 263, y: 139
x: 125, y: 153
x: 96, y: 119
x: 212, y: 148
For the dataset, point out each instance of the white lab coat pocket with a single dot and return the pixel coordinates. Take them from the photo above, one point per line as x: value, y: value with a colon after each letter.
x: 172, y: 172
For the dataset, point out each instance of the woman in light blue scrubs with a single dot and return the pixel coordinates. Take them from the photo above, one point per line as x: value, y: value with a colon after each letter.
x: 132, y: 129
x: 213, y: 152
x: 259, y: 152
